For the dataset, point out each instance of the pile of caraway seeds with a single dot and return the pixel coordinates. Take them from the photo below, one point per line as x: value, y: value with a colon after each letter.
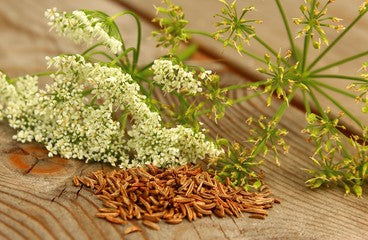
x: 152, y: 195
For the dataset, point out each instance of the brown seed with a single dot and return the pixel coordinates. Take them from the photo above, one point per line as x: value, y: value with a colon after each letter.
x: 190, y: 189
x: 206, y: 206
x: 183, y: 200
x: 151, y: 225
x: 174, y: 220
x: 169, y: 214
x: 256, y: 210
x: 115, y: 220
x: 76, y: 181
x: 108, y: 210
x: 201, y: 210
x: 151, y: 218
x: 104, y: 215
x: 132, y: 229
x: 109, y: 204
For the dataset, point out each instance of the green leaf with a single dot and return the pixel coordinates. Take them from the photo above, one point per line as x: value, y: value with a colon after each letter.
x: 187, y: 52
x: 257, y: 184
x: 358, y: 190
x: 317, y: 183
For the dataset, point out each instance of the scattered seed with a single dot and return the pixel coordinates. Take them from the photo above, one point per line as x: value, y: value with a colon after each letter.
x: 151, y: 225
x: 132, y: 229
x: 174, y: 220
x: 104, y: 215
x: 115, y: 220
x: 76, y: 181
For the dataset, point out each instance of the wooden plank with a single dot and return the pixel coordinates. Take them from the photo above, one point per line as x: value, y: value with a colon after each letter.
x: 38, y: 201
x: 200, y: 16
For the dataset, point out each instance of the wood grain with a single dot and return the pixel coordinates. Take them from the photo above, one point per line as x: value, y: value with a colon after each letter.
x: 38, y: 204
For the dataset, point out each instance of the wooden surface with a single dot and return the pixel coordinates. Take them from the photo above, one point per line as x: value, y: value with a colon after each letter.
x: 38, y: 201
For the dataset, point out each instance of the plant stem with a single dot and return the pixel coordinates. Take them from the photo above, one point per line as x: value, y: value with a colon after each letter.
x: 286, y: 24
x: 306, y: 102
x: 307, y: 37
x: 245, y: 85
x: 252, y: 55
x: 318, y: 105
x: 99, y: 53
x: 332, y: 88
x: 342, y: 108
x: 340, y: 62
x: 91, y: 48
x: 336, y: 41
x: 41, y: 74
x: 139, y: 34
x: 246, y: 98
x: 340, y: 77
x: 124, y: 53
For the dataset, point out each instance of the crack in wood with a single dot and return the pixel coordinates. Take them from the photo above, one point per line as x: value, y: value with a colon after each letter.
x: 80, y: 189
x: 222, y: 230
x: 196, y: 230
x: 32, y: 166
x: 59, y: 195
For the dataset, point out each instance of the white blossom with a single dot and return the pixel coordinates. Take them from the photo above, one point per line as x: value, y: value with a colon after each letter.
x: 174, y: 77
x: 69, y: 123
x: 81, y: 28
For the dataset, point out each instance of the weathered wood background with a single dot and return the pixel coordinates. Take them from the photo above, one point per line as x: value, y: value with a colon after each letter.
x: 38, y: 201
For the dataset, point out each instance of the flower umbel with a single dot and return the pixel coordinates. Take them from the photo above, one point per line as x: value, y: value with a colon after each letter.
x: 174, y: 77
x: 234, y: 28
x: 84, y: 27
x: 280, y: 78
x: 314, y: 20
x: 172, y: 24
x: 331, y: 145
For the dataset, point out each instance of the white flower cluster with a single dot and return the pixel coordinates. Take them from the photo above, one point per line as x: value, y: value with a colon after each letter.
x: 69, y: 123
x: 174, y: 77
x: 81, y: 28
x: 170, y: 146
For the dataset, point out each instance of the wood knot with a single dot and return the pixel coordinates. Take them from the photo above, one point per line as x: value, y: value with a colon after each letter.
x: 34, y: 159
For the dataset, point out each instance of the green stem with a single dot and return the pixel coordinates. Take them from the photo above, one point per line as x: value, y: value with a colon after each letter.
x: 245, y: 85
x: 41, y: 74
x: 318, y: 105
x: 307, y: 37
x: 335, y: 41
x: 339, y: 77
x: 139, y: 33
x: 265, y: 45
x: 124, y: 53
x: 91, y: 48
x: 99, y: 53
x: 340, y: 62
x: 246, y: 98
x: 337, y: 104
x: 332, y: 88
x: 123, y: 119
x: 252, y: 55
x: 286, y: 24
x: 306, y: 102
x: 305, y: 50
x: 203, y: 112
